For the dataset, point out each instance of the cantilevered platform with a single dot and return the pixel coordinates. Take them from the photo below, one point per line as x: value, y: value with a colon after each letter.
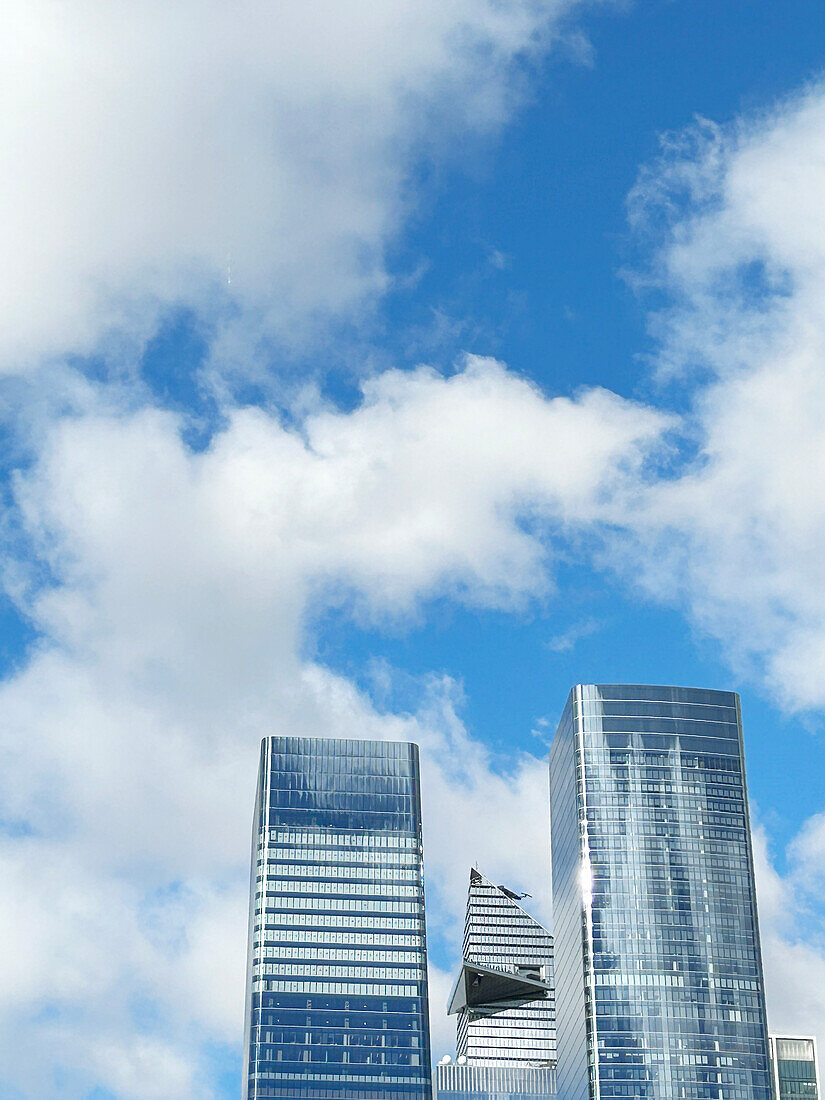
x: 486, y: 990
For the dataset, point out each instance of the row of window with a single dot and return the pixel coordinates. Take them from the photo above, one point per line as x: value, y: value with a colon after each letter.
x: 665, y: 728
x: 277, y: 886
x: 264, y: 1091
x: 331, y: 970
x: 342, y: 1036
x: 385, y: 1079
x: 690, y: 840
x: 349, y: 939
x: 274, y: 985
x: 726, y: 786
x: 495, y: 1040
x: 667, y: 1036
x: 710, y: 925
x: 381, y: 880
x: 687, y: 1010
x: 344, y: 800
x: 382, y: 955
x: 674, y: 802
x: 606, y: 760
x: 397, y: 1013
x: 337, y: 839
x: 276, y: 902
x: 534, y: 1018
x: 711, y: 1092
x: 723, y: 770
x: 314, y: 919
x: 657, y: 702
x: 327, y: 748
x: 658, y: 857
x: 334, y: 857
x: 332, y: 1055
x: 673, y: 832
x: 367, y: 815
x: 708, y: 997
x: 497, y: 917
x: 494, y: 933
x: 509, y: 1039
x: 605, y: 877
x: 341, y: 780
x: 620, y: 892
x: 674, y: 815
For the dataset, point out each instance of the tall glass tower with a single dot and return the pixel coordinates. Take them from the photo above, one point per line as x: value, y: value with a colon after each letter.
x: 795, y: 1067
x: 337, y: 981
x: 659, y: 991
x: 503, y: 997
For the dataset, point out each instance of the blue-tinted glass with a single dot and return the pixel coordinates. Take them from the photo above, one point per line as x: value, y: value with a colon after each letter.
x: 336, y: 987
x: 659, y: 990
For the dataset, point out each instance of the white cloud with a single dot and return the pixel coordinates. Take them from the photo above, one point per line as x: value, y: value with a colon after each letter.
x: 443, y: 1027
x: 75, y: 955
x: 172, y: 625
x: 793, y: 945
x: 738, y: 537
x: 154, y: 151
x: 564, y: 642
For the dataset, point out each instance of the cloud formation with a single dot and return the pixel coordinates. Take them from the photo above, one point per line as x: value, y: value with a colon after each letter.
x: 738, y: 536
x: 251, y: 161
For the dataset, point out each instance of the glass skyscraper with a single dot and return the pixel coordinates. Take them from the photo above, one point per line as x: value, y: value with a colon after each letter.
x: 337, y: 981
x: 503, y: 997
x: 795, y: 1067
x: 659, y: 990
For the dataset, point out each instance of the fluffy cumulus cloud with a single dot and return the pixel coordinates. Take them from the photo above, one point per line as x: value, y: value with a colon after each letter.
x: 249, y: 160
x: 173, y: 621
x: 739, y: 535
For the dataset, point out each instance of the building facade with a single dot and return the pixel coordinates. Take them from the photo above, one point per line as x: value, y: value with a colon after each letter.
x: 658, y: 973
x: 466, y: 1081
x: 336, y: 980
x: 503, y: 999
x: 795, y: 1067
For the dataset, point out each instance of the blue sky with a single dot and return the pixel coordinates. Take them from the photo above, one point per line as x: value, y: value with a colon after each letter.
x: 385, y: 375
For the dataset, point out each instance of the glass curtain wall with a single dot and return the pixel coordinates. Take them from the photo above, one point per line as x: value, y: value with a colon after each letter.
x: 795, y: 1067
x: 500, y: 934
x: 659, y: 989
x: 337, y: 980
x: 506, y: 1046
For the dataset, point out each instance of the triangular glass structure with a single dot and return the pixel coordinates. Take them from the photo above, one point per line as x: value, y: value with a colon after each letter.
x: 503, y: 994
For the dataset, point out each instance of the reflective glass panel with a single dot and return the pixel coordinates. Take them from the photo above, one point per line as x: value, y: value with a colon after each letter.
x: 659, y: 989
x: 337, y: 978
